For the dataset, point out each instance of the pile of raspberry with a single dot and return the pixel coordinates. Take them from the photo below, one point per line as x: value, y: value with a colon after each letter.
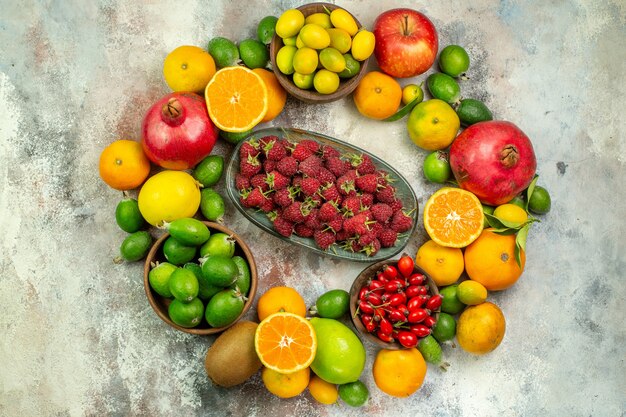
x: 313, y: 191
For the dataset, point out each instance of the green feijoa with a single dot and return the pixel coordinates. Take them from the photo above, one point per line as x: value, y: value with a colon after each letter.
x: 450, y: 303
x: 220, y: 271
x: 212, y: 205
x: 540, y: 201
x: 333, y: 304
x: 266, y: 29
x: 224, y: 307
x: 443, y: 87
x: 224, y: 52
x: 242, y: 282
x: 128, y: 216
x: 219, y: 244
x: 186, y: 314
x: 445, y: 328
x: 253, y: 53
x: 136, y: 246
x: 453, y: 60
x: 234, y: 137
x: 431, y: 351
x: 355, y: 394
x: 177, y: 253
x: 183, y: 285
x: 159, y: 278
x: 472, y: 111
x: 209, y: 171
x: 352, y: 67
x: 205, y: 290
x: 189, y: 231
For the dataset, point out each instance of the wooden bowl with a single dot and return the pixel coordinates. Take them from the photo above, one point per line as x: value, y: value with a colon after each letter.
x: 346, y: 86
x: 361, y: 281
x: 160, y: 304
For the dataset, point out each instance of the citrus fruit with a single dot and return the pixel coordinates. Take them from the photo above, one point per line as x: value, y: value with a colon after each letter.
x: 453, y: 217
x: 332, y: 60
x: 291, y: 41
x: 443, y: 87
x: 352, y: 67
x: 451, y: 303
x: 355, y: 394
x: 323, y: 392
x: 453, y: 60
x: 253, y: 53
x: 224, y: 52
x: 281, y: 299
x: 437, y: 167
x: 518, y: 200
x: 444, y: 265
x: 168, y: 195
x: 136, y: 246
x: 237, y: 99
x: 333, y: 304
x: 186, y: 314
x: 433, y: 124
x: 377, y: 96
x: 276, y: 94
x: 302, y: 81
x: 472, y: 111
x: 411, y: 92
x: 341, y: 19
x: 159, y: 278
x: 445, y: 328
x: 127, y: 215
x: 285, y: 343
x: 209, y: 171
x: 399, y: 373
x: 539, y: 202
x: 285, y: 385
x: 224, y: 308
x: 322, y: 19
x: 325, y: 82
x: 183, y: 285
x: 188, y: 68
x: 339, y: 39
x: 123, y: 165
x: 481, y: 328
x: 305, y: 60
x: 314, y: 36
x: 511, y: 213
x: 284, y: 59
x: 363, y: 45
x: 212, y: 205
x: 490, y: 260
x: 471, y: 292
x: 219, y: 270
x: 176, y: 252
x: 266, y: 29
x: 289, y: 23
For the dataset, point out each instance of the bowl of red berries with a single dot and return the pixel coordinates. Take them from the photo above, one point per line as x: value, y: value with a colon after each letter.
x: 394, y: 303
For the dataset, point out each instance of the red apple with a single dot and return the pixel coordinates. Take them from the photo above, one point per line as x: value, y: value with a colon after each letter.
x: 406, y: 42
x: 177, y: 132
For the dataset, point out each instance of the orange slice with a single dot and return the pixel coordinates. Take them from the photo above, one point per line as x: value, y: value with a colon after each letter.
x: 285, y: 342
x: 453, y: 217
x: 237, y: 99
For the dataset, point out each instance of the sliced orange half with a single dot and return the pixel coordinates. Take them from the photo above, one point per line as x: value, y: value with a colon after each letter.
x: 453, y: 217
x: 285, y: 342
x: 236, y: 98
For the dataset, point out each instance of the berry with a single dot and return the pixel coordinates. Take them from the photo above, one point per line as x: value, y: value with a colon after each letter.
x: 387, y: 237
x: 401, y: 222
x: 250, y: 166
x: 362, y: 163
x: 312, y: 219
x: 294, y: 212
x: 249, y: 148
x: 285, y: 196
x: 329, y: 152
x: 367, y: 200
x: 313, y: 146
x: 325, y: 176
x: 337, y: 166
x: 254, y: 198
x: 381, y: 212
x: 329, y: 192
x: 328, y: 211
x: 372, y: 248
x: 396, y: 205
x: 287, y: 166
x: 386, y: 195
x: 303, y: 230
x: 242, y: 182
x: 301, y: 152
x: 258, y: 181
x: 345, y: 184
x: 324, y: 239
x: 275, y: 150
x: 283, y: 226
x: 336, y: 224
x: 310, y: 186
x: 310, y: 166
x: 351, y: 206
x: 276, y: 181
x: 367, y: 183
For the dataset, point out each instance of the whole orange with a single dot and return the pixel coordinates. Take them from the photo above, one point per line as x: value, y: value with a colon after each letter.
x: 281, y: 299
x: 480, y: 328
x: 377, y: 96
x: 490, y: 260
x: 123, y: 165
x: 276, y: 94
x: 188, y: 68
x: 399, y: 372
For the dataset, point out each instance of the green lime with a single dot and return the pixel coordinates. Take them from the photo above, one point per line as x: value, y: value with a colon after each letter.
x: 189, y: 231
x: 219, y: 244
x: 209, y: 171
x: 242, y: 282
x: 445, y: 328
x: 266, y: 29
x: 159, y: 278
x: 224, y: 52
x: 253, y: 53
x: 136, y: 246
x: 443, y: 87
x: 234, y: 137
x: 518, y: 200
x: 450, y: 303
x: 355, y: 394
x: 431, y: 351
x: 437, y: 167
x: 183, y: 285
x: 333, y: 304
x: 186, y: 314
x: 352, y: 67
x: 212, y: 205
x: 219, y: 271
x: 472, y: 111
x: 453, y: 60
x: 177, y: 253
x: 128, y: 216
x: 205, y: 290
x: 489, y: 210
x: 540, y: 201
x: 224, y: 307
x: 332, y: 60
x: 303, y: 81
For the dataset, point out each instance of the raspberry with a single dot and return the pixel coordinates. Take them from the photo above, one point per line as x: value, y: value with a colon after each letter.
x: 310, y: 166
x: 294, y: 212
x: 265, y: 140
x: 284, y: 197
x: 313, y: 146
x: 396, y: 205
x: 401, y: 222
x: 345, y: 184
x: 249, y: 148
x: 249, y: 166
x: 267, y: 204
x: 325, y: 176
x: 303, y: 230
x: 367, y: 183
x: 296, y: 181
x: 387, y: 237
x: 276, y: 181
x: 324, y: 238
x: 371, y: 248
x: 310, y: 186
x: 336, y: 224
x: 301, y: 152
x: 312, y: 220
x: 242, y: 182
x: 254, y: 198
x: 367, y: 238
x: 351, y: 206
x: 386, y: 195
x: 258, y: 181
x: 337, y: 166
x: 283, y: 226
x: 328, y: 211
x: 367, y: 199
x: 357, y: 225
x: 330, y: 193
x: 381, y: 212
x: 287, y: 166
x: 269, y: 166
x: 362, y: 163
x: 275, y: 150
x: 329, y: 152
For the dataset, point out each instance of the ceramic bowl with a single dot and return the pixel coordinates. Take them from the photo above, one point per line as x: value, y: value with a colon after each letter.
x: 160, y: 304
x: 362, y: 280
x: 346, y: 86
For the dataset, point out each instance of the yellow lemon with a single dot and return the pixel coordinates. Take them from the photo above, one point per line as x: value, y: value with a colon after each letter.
x: 511, y: 213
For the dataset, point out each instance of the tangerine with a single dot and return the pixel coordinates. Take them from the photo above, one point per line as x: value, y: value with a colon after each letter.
x: 123, y: 165
x: 377, y: 96
x: 188, y: 68
x: 276, y: 94
x: 399, y: 373
x: 285, y: 385
x: 444, y: 265
x: 281, y: 299
x: 481, y: 328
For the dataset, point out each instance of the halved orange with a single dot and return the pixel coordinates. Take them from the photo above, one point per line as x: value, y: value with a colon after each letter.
x: 237, y: 99
x: 285, y: 342
x: 453, y: 217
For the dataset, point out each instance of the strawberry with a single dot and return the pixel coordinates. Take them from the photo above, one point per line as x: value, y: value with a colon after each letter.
x: 367, y: 183
x: 259, y: 181
x: 329, y: 152
x: 283, y: 226
x: 324, y: 238
x: 275, y: 150
x: 303, y: 230
x: 301, y: 152
x: 276, y: 181
x: 325, y: 176
x: 386, y: 195
x: 242, y: 182
x: 250, y: 166
x: 249, y: 148
x: 287, y: 166
x: 387, y: 237
x: 329, y: 192
x: 336, y: 166
x: 401, y: 222
x: 294, y: 212
x: 328, y: 211
x: 310, y: 186
x: 381, y: 212
x: 310, y: 166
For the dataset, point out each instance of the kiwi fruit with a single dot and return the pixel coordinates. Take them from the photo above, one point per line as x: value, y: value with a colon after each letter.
x: 231, y: 359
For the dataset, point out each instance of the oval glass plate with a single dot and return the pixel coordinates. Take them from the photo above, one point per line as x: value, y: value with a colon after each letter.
x: 404, y: 192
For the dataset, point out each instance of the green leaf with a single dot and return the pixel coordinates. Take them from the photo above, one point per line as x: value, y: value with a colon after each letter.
x: 403, y: 111
x: 530, y: 190
x: 499, y: 223
x: 520, y: 243
x: 505, y: 231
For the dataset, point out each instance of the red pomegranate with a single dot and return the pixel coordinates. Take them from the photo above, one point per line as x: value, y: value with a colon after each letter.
x: 494, y: 160
x: 177, y: 132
